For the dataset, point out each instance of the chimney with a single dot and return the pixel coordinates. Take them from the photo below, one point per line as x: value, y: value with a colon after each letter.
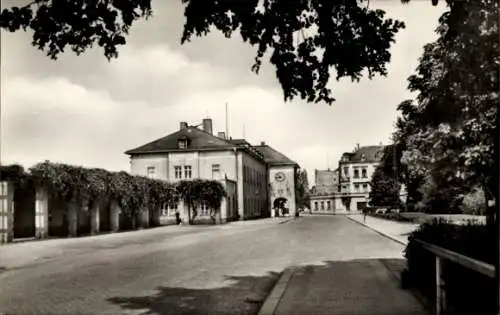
x: 184, y: 125
x: 221, y: 134
x: 262, y: 143
x: 357, y: 146
x: 207, y: 125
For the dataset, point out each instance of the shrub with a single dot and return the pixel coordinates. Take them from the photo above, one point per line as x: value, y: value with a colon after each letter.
x: 77, y: 184
x: 467, y: 291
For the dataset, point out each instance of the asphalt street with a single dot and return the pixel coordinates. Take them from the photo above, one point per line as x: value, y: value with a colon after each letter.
x: 226, y: 269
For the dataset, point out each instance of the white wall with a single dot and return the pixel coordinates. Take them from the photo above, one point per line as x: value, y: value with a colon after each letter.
x: 284, y: 189
x: 226, y: 160
x: 139, y: 165
x: 183, y: 159
x: 200, y: 162
x: 253, y: 186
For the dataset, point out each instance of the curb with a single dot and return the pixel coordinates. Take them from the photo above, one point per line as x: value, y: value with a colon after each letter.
x: 381, y: 233
x: 271, y: 303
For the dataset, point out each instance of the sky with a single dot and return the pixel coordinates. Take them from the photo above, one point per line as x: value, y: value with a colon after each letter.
x: 86, y: 111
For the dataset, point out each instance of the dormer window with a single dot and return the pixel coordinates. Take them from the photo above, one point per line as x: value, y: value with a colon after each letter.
x: 363, y: 157
x: 182, y: 143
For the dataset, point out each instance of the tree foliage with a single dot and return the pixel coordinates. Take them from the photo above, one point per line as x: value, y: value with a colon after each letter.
x: 449, y: 132
x: 385, y: 189
x: 86, y: 185
x: 57, y: 24
x: 304, y: 39
x: 14, y: 173
x: 196, y: 192
x: 302, y: 194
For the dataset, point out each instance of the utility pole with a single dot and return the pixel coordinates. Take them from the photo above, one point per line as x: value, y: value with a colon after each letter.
x: 227, y: 130
x: 395, y: 168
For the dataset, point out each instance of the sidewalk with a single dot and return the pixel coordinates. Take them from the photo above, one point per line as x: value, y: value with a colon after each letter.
x: 397, y: 231
x: 361, y: 287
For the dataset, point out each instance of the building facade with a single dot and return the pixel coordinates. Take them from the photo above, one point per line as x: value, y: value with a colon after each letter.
x: 194, y: 153
x: 324, y: 191
x: 355, y: 174
x: 346, y: 189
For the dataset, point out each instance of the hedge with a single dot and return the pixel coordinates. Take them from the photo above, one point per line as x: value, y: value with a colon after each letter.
x: 467, y: 291
x: 85, y: 185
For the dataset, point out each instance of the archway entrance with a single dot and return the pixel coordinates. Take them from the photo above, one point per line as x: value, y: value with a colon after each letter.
x: 279, y: 206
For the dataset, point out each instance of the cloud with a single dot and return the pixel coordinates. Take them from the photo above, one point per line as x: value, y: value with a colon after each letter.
x: 88, y: 111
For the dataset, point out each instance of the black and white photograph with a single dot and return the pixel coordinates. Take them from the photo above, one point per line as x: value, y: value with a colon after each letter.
x: 253, y: 157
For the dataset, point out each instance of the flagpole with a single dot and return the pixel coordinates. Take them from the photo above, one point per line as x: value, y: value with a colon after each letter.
x: 227, y: 130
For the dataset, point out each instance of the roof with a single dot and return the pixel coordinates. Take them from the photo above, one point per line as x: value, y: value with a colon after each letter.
x: 198, y: 140
x: 324, y: 190
x: 373, y: 153
x: 273, y: 157
x: 239, y: 141
x: 326, y: 177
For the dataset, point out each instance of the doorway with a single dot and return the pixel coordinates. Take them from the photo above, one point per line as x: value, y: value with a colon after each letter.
x: 279, y: 206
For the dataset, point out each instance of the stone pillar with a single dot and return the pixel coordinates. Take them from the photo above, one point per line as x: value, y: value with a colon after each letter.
x: 6, y: 212
x: 72, y: 215
x: 155, y: 213
x: 184, y: 213
x: 114, y: 219
x: 41, y: 213
x: 95, y: 217
x: 145, y: 218
x: 134, y: 217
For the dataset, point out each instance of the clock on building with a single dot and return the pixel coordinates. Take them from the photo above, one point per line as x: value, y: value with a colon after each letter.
x: 279, y: 177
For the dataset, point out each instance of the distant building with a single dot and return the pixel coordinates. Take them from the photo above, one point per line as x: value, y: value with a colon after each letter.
x: 355, y: 174
x: 347, y: 188
x: 324, y: 191
x: 254, y: 176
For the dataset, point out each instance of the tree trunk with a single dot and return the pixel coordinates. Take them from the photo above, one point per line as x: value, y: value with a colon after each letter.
x: 490, y: 211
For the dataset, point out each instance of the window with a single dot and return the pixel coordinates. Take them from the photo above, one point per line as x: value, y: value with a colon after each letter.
x: 316, y: 205
x: 150, y: 172
x: 363, y: 173
x: 204, y: 209
x: 365, y: 187
x: 356, y: 187
x: 328, y: 205
x: 356, y: 173
x: 322, y: 205
x: 182, y: 143
x: 215, y: 170
x: 187, y: 171
x: 363, y: 157
x: 178, y: 171
x: 346, y: 171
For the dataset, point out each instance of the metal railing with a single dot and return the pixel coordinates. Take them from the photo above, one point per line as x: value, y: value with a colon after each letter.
x: 467, y: 262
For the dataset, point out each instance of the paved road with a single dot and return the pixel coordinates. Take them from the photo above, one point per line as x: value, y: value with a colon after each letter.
x: 225, y: 269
